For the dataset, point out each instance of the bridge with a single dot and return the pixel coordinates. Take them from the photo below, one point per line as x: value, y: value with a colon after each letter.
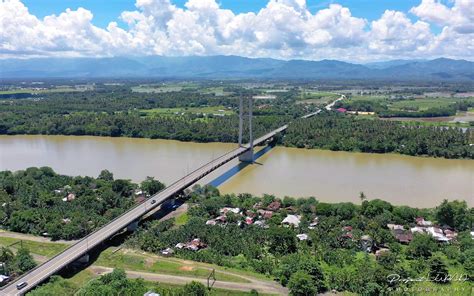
x: 83, y: 246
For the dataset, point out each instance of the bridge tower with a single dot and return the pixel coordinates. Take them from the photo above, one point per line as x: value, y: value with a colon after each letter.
x: 248, y: 156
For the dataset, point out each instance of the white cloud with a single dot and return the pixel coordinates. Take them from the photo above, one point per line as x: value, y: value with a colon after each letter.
x: 282, y: 29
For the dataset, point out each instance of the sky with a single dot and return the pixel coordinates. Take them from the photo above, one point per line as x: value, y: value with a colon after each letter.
x: 348, y: 30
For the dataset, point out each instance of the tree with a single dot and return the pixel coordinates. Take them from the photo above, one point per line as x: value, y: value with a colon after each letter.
x: 195, y: 289
x: 282, y: 240
x: 422, y: 246
x: 106, y: 175
x: 453, y: 213
x: 438, y: 270
x: 151, y: 185
x: 301, y: 284
x: 23, y: 261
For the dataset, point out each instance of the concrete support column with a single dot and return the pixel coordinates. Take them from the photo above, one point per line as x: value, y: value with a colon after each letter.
x: 241, y: 119
x: 248, y: 156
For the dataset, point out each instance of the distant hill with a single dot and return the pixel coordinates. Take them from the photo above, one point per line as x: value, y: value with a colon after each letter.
x: 233, y: 67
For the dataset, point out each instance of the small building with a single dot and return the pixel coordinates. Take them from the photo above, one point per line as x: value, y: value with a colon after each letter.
x: 341, y: 110
x: 227, y: 209
x: 151, y: 293
x: 366, y: 243
x: 70, y: 197
x: 167, y: 252
x: 313, y: 224
x: 437, y: 234
x: 211, y: 222
x: 248, y: 220
x: 380, y: 252
x: 274, y: 206
x: 394, y: 226
x: 261, y: 224
x: 180, y: 246
x: 302, y: 237
x: 404, y: 238
x: 294, y: 220
x: 417, y: 229
x: 265, y: 214
x: 420, y: 221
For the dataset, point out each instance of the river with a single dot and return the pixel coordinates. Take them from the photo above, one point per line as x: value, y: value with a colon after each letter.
x: 327, y: 175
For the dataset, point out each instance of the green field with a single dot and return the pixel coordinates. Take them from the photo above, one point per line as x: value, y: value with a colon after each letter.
x: 39, y: 248
x: 39, y: 91
x: 138, y: 262
x: 164, y: 88
x: 187, y: 110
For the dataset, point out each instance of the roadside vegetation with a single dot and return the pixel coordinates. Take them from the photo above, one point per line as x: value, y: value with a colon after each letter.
x: 38, y: 201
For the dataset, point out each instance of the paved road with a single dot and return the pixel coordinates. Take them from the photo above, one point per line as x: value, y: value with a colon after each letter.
x: 75, y: 251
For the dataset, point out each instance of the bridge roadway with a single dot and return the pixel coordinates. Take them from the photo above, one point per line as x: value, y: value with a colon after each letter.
x: 53, y: 265
x: 50, y: 267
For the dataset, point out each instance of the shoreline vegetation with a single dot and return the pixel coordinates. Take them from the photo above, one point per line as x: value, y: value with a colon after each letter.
x: 335, y: 132
x: 303, y: 244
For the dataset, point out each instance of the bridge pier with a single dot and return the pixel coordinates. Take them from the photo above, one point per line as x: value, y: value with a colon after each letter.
x: 84, y: 259
x: 132, y: 226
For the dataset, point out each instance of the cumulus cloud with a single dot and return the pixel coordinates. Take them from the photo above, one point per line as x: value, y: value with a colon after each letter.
x: 282, y: 29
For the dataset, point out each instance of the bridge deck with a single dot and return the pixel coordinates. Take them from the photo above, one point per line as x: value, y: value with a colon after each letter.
x: 53, y: 265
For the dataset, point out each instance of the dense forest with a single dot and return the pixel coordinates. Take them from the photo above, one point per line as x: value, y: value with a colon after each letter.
x: 349, y: 133
x: 40, y: 202
x: 332, y: 256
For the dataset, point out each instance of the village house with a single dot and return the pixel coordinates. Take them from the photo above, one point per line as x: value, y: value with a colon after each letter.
x: 420, y: 221
x: 265, y: 214
x: 394, y: 226
x: 70, y: 197
x: 167, y: 252
x: 302, y: 237
x: 293, y: 220
x: 313, y: 224
x: 366, y: 243
x: 274, y: 206
x: 227, y: 209
x: 380, y: 252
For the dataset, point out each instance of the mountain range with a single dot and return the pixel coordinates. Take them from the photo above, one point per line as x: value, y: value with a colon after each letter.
x: 229, y: 67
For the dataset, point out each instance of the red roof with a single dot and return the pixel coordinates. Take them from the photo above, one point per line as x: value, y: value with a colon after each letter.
x: 341, y: 110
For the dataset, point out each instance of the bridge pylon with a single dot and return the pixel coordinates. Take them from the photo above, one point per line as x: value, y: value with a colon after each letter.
x: 248, y: 156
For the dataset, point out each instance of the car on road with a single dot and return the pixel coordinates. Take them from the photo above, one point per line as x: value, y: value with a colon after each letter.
x: 153, y: 202
x: 21, y: 285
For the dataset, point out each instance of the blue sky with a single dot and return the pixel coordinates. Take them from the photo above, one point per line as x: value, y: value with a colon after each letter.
x: 106, y: 11
x: 349, y: 30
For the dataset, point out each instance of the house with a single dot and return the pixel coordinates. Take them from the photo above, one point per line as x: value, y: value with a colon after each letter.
x: 211, y: 222
x: 437, y: 234
x: 66, y: 220
x: 195, y: 245
x: 265, y: 214
x: 261, y: 224
x: 450, y: 234
x: 70, y: 197
x: 221, y: 219
x: 292, y: 220
x: 302, y: 237
x: 417, y: 229
x: 366, y: 243
x: 347, y: 228
x: 313, y: 224
x: 227, y: 209
x: 420, y: 221
x: 274, y: 206
x: 151, y: 293
x: 472, y: 234
x: 180, y: 245
x: 248, y: 220
x: 167, y: 252
x: 341, y: 110
x: 404, y: 238
x: 394, y: 226
x: 380, y: 252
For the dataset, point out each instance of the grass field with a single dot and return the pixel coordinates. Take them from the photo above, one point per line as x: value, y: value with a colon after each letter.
x: 40, y: 248
x: 38, y: 91
x: 217, y: 91
x: 164, y: 88
x: 143, y: 263
x: 188, y: 110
